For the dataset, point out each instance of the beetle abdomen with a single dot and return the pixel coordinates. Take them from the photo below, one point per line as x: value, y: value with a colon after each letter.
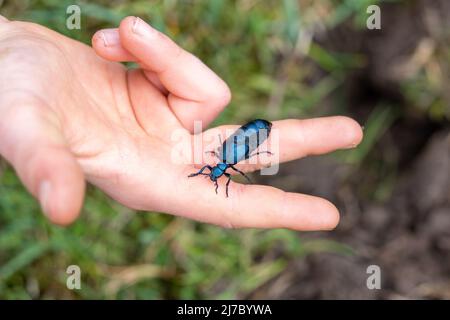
x: 244, y: 141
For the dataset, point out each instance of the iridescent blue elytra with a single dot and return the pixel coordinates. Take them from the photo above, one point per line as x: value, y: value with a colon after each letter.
x: 237, y: 147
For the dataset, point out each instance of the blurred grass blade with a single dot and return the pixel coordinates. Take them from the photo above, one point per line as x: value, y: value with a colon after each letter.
x: 262, y: 273
x: 292, y: 25
x: 102, y: 13
x: 379, y: 121
x: 24, y: 258
x: 334, y: 62
x: 323, y: 245
x: 324, y: 87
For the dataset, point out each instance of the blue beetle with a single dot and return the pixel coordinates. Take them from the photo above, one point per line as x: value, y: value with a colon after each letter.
x: 236, y: 148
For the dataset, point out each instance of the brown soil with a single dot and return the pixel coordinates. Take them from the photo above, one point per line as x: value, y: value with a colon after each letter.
x: 407, y: 234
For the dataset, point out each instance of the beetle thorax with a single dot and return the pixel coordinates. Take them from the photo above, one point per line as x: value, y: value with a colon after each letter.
x: 218, y: 171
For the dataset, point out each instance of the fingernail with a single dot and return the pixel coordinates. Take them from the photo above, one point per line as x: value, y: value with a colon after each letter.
x: 140, y: 27
x: 351, y: 146
x: 136, y: 23
x: 110, y: 37
x: 44, y: 197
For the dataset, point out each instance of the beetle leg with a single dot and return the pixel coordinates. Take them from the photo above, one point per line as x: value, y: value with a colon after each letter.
x: 201, y: 171
x: 228, y: 182
x: 260, y: 152
x: 217, y: 185
x: 237, y: 170
x: 213, y: 152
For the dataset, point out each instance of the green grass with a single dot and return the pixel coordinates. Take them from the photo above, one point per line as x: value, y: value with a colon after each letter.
x: 255, y: 47
x: 124, y: 254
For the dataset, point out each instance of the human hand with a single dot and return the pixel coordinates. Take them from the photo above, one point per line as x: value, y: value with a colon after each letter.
x: 68, y: 114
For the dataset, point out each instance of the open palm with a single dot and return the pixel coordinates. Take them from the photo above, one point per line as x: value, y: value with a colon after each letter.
x: 70, y: 113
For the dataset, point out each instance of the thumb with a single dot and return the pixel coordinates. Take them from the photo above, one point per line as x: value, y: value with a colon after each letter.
x: 32, y: 142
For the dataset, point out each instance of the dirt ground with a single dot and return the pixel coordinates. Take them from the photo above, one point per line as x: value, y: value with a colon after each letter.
x: 408, y: 234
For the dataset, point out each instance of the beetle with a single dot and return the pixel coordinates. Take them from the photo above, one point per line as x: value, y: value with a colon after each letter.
x: 236, y: 148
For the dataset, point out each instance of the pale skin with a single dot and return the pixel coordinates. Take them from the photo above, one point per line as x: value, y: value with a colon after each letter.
x: 70, y: 113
